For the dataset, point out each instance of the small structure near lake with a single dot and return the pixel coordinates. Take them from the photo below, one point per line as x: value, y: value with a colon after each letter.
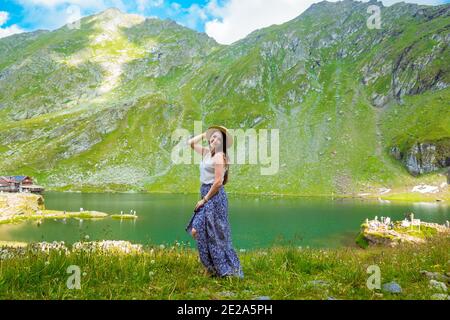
x: 388, y: 233
x: 19, y: 184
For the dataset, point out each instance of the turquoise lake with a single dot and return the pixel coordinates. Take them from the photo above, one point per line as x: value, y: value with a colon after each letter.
x: 256, y: 221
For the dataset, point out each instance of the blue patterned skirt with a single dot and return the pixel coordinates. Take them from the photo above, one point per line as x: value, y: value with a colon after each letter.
x: 214, y: 236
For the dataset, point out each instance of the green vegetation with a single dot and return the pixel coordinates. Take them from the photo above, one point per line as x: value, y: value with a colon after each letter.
x: 175, y: 273
x: 123, y: 216
x: 424, y: 232
x: 375, y: 234
x: 361, y: 241
x: 430, y: 110
x: 53, y: 214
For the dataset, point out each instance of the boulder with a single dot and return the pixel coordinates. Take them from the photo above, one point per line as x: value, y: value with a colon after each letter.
x: 435, y: 276
x: 424, y: 157
x: 392, y: 287
x: 12, y: 204
x: 438, y: 286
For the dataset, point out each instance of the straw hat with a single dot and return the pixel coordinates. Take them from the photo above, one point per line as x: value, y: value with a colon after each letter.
x: 212, y: 129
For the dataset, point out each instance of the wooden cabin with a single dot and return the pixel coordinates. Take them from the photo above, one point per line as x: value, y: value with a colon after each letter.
x: 19, y: 184
x: 7, y: 184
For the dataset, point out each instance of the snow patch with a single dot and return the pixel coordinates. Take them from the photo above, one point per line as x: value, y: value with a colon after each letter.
x: 423, y: 188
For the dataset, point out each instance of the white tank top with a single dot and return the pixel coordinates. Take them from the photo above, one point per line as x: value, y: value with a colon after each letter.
x: 207, y: 170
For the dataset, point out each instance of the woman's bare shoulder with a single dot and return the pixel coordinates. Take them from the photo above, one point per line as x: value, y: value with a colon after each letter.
x: 219, y: 157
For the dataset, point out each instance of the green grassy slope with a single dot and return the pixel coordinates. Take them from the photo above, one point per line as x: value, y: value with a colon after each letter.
x: 96, y: 112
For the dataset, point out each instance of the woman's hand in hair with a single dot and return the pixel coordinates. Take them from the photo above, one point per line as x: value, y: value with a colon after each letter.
x: 195, y: 143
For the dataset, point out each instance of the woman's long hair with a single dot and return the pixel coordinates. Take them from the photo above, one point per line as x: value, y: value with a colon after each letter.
x: 224, y: 149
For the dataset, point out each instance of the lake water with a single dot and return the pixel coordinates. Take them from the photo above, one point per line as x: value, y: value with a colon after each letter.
x: 256, y: 222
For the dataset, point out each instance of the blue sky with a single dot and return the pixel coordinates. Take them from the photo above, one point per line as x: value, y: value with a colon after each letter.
x: 224, y: 20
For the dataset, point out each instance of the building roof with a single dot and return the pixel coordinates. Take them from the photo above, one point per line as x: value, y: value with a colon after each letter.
x: 19, y: 178
x: 14, y: 178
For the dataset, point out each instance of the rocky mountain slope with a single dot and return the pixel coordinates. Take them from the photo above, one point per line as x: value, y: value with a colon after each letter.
x: 358, y: 109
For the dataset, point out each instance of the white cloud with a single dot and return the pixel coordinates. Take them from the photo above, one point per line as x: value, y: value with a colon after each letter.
x: 225, y: 20
x: 235, y: 19
x: 175, y: 6
x: 195, y: 15
x: 58, y: 5
x: 53, y: 14
x: 4, y: 16
x: 54, y: 3
x: 10, y: 30
x: 238, y: 18
x: 156, y: 3
x: 74, y: 14
x: 144, y: 4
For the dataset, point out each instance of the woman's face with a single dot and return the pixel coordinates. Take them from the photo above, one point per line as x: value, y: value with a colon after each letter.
x: 215, y: 141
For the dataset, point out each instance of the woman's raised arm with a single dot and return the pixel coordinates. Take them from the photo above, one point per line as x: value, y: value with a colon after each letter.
x: 195, y: 144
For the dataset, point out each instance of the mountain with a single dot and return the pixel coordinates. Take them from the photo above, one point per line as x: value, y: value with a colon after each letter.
x: 358, y: 109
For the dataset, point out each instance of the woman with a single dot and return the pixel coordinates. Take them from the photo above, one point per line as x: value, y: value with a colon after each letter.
x: 209, y: 225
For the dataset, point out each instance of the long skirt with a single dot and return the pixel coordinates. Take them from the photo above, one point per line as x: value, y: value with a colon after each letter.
x: 214, y: 236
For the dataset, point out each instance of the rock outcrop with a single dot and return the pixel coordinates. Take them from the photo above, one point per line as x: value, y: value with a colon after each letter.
x: 20, y: 204
x: 424, y: 157
x: 390, y: 234
x: 17, y: 207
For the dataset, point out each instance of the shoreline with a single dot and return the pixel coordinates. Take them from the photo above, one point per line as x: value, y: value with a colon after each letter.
x: 408, y: 197
x: 53, y: 214
x: 19, y: 207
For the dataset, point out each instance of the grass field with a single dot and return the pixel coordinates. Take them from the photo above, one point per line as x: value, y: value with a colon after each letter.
x: 175, y: 273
